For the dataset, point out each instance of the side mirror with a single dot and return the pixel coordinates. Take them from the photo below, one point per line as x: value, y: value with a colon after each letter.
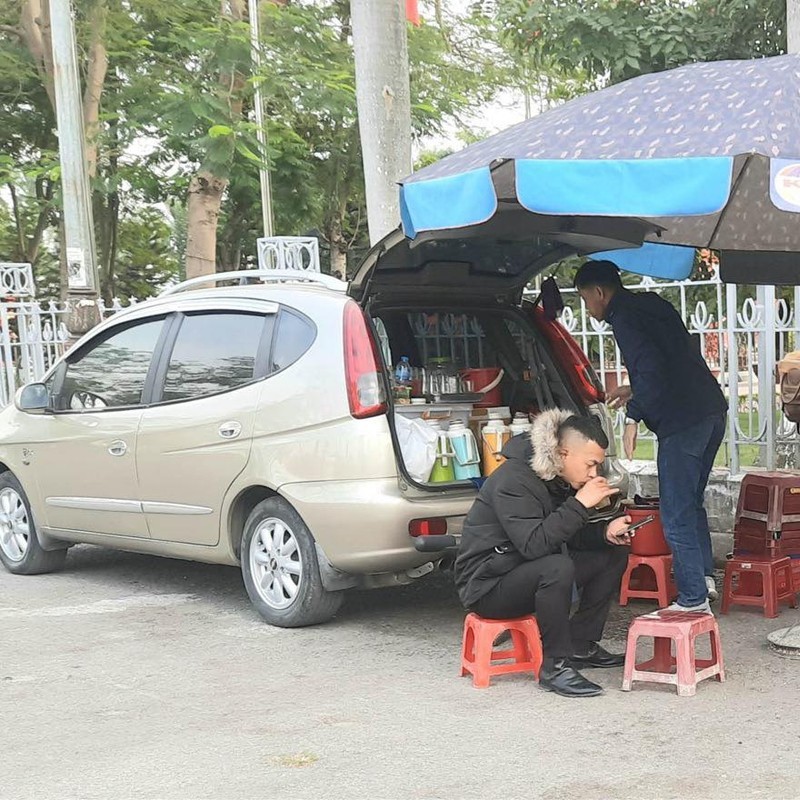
x: 33, y: 399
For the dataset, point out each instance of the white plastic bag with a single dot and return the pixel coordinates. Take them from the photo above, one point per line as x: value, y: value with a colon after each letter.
x: 417, y: 446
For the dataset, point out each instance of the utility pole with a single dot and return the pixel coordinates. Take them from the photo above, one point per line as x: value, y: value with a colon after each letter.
x: 261, y: 130
x: 384, y: 106
x: 82, y: 277
x: 793, y: 26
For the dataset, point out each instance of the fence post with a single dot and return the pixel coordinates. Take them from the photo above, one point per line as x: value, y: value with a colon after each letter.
x: 766, y: 372
x: 733, y: 378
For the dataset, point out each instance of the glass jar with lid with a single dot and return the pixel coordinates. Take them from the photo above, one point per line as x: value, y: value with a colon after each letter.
x: 443, y: 377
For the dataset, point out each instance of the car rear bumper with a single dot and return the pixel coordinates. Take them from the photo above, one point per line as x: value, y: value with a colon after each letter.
x: 362, y: 526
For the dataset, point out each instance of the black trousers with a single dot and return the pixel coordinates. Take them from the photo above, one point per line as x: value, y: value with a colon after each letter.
x: 544, y: 587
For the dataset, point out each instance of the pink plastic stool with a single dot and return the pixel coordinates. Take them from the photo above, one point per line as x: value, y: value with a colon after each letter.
x: 477, y: 653
x: 683, y: 669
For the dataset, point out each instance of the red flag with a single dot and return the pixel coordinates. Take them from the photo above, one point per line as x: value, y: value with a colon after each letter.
x: 412, y: 12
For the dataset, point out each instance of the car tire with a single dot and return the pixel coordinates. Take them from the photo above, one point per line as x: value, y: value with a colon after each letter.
x: 280, y: 568
x: 20, y: 550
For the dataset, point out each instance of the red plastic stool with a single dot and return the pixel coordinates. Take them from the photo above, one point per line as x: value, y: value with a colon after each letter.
x: 477, y: 653
x: 761, y: 581
x: 648, y: 578
x: 683, y: 669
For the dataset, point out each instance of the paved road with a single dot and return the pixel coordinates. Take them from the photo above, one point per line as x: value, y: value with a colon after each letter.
x: 128, y: 676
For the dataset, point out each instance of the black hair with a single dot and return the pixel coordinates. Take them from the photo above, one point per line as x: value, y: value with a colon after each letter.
x: 588, y: 427
x: 598, y: 273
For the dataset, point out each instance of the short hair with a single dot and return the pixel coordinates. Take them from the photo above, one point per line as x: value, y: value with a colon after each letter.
x: 588, y: 427
x: 598, y: 273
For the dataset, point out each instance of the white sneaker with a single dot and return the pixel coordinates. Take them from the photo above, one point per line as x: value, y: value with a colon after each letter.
x: 713, y: 594
x: 703, y: 608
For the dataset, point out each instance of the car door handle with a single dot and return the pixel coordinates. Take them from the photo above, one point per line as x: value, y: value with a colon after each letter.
x: 118, y: 448
x: 230, y: 430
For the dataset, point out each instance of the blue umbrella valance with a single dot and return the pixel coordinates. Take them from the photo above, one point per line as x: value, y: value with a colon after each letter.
x: 611, y: 188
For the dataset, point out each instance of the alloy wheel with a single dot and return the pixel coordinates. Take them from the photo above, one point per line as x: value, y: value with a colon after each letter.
x: 275, y: 563
x: 15, y: 528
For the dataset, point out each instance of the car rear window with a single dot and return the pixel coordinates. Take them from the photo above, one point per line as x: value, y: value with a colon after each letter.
x: 213, y: 353
x: 294, y: 335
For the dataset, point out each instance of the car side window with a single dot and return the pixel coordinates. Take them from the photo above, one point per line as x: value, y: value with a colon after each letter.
x: 294, y: 336
x: 111, y: 374
x: 213, y: 353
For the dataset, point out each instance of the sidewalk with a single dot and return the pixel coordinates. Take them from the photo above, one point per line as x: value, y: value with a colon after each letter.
x: 136, y: 677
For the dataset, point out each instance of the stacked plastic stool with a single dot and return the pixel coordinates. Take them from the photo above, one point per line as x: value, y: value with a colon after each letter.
x: 765, y: 568
x: 683, y: 669
x: 478, y: 656
x: 649, y: 572
x: 764, y: 582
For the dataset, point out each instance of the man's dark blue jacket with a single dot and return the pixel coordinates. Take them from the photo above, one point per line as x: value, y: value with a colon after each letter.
x: 673, y: 388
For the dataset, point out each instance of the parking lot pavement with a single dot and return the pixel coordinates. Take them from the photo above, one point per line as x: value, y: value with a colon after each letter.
x: 130, y: 676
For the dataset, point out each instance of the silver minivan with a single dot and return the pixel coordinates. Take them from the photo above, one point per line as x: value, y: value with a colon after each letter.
x: 253, y: 424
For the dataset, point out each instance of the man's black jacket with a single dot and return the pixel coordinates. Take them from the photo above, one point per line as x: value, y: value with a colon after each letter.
x: 516, y: 508
x: 673, y: 387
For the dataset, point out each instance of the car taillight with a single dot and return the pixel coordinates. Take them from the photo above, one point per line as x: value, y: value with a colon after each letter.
x: 435, y: 526
x: 362, y: 366
x: 581, y: 373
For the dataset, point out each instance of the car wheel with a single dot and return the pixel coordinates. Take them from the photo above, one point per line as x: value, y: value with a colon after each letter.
x: 20, y: 550
x: 280, y: 568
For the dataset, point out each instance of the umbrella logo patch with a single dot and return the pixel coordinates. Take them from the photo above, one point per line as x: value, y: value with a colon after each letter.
x: 784, y: 188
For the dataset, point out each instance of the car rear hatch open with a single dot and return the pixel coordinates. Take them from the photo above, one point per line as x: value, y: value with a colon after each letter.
x: 479, y: 281
x: 494, y: 260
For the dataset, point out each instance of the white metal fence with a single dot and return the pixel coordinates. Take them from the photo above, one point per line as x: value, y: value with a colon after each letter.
x: 742, y: 332
x: 33, y: 335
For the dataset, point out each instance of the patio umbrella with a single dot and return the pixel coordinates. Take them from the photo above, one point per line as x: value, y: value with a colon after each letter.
x: 706, y: 155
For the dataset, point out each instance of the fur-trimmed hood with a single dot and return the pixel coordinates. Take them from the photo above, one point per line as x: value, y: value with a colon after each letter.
x: 545, y: 461
x: 524, y: 512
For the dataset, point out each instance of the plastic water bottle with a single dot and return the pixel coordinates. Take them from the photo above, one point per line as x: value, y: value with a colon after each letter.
x: 402, y: 372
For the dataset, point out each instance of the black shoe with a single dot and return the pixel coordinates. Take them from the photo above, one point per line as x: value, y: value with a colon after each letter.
x: 558, y: 676
x: 596, y: 656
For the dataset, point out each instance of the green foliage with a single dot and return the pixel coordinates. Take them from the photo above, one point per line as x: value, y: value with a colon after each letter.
x: 165, y: 112
x: 146, y: 259
x: 612, y: 40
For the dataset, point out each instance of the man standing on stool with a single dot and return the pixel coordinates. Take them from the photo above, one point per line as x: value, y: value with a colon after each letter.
x: 527, y: 541
x: 674, y: 393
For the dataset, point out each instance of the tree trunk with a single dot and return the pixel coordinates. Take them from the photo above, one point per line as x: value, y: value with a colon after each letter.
x: 384, y: 107
x: 202, y: 216
x: 338, y: 259
x: 97, y: 67
x: 206, y: 189
x: 36, y: 33
x: 337, y: 241
x: 106, y: 216
x: 44, y: 196
x: 338, y: 246
x: 62, y: 258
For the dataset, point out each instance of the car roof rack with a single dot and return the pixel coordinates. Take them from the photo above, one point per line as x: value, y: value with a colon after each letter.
x: 261, y: 276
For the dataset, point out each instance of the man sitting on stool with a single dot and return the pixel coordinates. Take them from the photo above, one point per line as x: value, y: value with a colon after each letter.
x: 528, y: 539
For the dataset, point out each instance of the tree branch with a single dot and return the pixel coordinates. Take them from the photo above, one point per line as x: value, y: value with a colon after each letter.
x: 12, y: 31
x: 17, y: 220
x: 42, y: 222
x: 36, y: 33
x: 439, y: 15
x: 95, y: 81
